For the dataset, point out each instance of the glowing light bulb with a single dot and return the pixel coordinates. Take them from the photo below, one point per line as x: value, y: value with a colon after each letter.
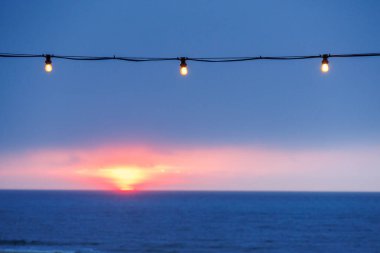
x: 48, y: 64
x: 325, y: 64
x: 48, y: 67
x: 183, y: 67
x: 184, y: 71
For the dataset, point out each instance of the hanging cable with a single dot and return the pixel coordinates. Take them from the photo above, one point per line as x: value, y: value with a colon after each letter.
x: 184, y: 60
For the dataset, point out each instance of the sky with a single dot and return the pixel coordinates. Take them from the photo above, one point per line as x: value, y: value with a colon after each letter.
x: 265, y: 125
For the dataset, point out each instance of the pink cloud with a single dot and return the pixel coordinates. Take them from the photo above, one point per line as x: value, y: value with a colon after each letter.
x: 205, y: 168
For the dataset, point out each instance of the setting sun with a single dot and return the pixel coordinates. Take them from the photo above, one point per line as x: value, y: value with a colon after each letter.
x: 125, y: 178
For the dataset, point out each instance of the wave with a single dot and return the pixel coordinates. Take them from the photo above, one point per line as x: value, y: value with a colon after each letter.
x: 37, y: 251
x: 44, y: 243
x: 35, y: 246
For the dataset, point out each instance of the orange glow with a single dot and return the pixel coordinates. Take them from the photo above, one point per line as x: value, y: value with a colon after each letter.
x: 125, y: 178
x: 128, y: 177
x: 203, y: 168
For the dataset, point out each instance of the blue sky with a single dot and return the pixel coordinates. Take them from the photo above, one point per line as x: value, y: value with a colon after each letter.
x: 276, y: 105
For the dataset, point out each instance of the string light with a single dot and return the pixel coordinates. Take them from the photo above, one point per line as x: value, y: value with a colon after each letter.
x: 48, y: 64
x: 325, y: 64
x: 183, y: 67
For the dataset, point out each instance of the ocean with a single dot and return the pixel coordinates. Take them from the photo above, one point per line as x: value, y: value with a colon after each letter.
x: 188, y: 222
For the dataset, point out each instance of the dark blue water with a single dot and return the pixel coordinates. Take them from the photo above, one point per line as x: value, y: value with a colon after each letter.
x: 64, y: 221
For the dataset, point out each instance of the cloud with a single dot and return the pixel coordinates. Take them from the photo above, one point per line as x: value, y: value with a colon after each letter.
x: 197, y: 168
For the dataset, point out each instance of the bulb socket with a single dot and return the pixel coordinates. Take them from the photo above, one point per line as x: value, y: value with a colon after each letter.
x: 183, y: 62
x: 325, y: 59
x: 48, y: 59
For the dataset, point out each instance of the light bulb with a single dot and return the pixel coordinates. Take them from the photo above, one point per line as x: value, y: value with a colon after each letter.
x: 48, y: 67
x: 183, y: 67
x: 48, y: 64
x: 325, y: 65
x: 184, y: 70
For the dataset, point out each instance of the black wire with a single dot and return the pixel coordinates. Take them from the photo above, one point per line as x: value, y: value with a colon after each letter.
x: 9, y: 55
x: 240, y: 59
x: 354, y: 55
x: 197, y: 59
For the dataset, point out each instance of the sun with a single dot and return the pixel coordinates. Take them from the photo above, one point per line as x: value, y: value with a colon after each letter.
x: 128, y: 177
x: 125, y: 178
